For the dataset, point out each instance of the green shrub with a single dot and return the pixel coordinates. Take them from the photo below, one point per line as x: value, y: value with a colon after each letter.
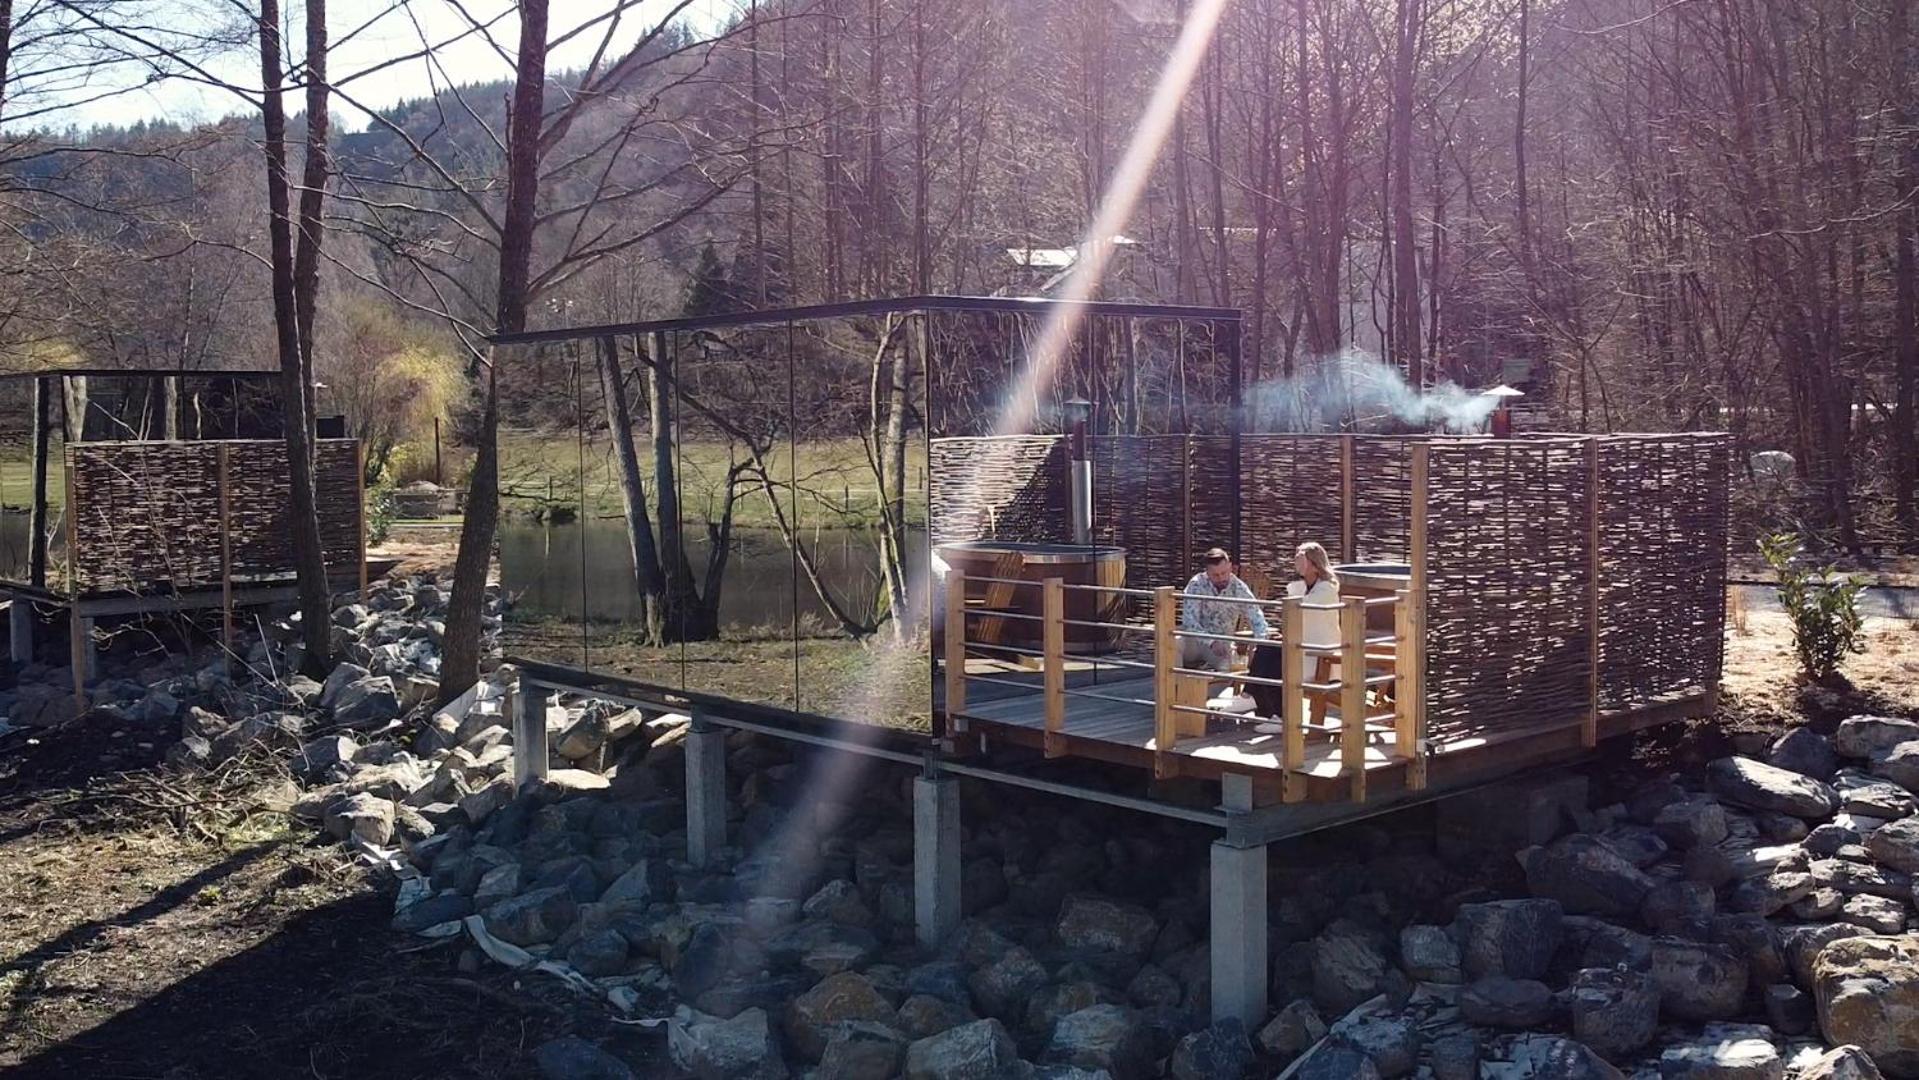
x: 379, y: 512
x: 1823, y: 606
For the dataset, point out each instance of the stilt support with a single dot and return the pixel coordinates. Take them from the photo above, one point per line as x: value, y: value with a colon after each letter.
x: 1239, y: 933
x: 81, y: 656
x: 529, y: 733
x: 20, y: 627
x: 936, y: 858
x: 705, y: 792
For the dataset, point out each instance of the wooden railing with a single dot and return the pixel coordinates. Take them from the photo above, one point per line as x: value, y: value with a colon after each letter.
x: 1381, y: 666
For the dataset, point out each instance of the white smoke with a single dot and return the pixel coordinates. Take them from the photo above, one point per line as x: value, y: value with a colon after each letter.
x: 1358, y: 387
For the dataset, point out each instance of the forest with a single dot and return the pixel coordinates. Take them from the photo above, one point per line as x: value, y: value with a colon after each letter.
x: 1646, y: 215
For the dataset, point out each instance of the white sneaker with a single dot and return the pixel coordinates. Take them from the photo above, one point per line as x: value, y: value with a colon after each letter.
x: 1232, y: 703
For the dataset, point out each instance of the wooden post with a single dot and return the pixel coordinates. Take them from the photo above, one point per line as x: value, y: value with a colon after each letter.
x: 955, y: 651
x: 78, y: 629
x: 359, y: 479
x: 1589, y: 732
x: 1292, y: 711
x: 1416, y: 543
x: 1348, y: 503
x: 1165, y: 659
x: 226, y: 557
x: 1053, y: 634
x: 1408, y: 654
x: 1352, y: 694
x: 37, y: 518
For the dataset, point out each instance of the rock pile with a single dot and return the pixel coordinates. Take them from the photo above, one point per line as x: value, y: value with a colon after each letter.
x: 1758, y: 924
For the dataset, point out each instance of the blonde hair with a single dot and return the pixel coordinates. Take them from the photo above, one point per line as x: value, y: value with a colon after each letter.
x: 1322, y: 564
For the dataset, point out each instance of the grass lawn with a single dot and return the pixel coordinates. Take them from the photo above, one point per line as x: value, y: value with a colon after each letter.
x: 832, y: 482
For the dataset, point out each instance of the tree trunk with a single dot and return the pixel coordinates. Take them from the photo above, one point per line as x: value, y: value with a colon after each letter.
x: 1905, y: 433
x: 687, y: 618
x: 460, y: 668
x: 1405, y: 277
x: 316, y: 624
x: 639, y: 528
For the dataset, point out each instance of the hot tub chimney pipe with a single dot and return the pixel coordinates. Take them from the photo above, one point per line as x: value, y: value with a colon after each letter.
x: 1079, y: 412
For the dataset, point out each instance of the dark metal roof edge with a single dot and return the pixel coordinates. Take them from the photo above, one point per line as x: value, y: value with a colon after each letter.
x: 881, y: 306
x: 146, y: 373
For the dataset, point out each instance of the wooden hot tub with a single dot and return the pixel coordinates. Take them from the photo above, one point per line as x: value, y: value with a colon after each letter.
x: 1073, y: 564
x: 1374, y: 580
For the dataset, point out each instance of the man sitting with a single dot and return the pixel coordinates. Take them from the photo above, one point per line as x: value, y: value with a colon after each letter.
x: 1203, y: 612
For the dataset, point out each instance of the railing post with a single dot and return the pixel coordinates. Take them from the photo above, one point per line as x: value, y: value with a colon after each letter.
x: 1292, y: 712
x: 1165, y: 658
x: 1348, y: 503
x: 1407, y: 688
x: 955, y: 651
x: 1416, y: 542
x: 1589, y: 732
x: 1352, y: 694
x: 1053, y: 645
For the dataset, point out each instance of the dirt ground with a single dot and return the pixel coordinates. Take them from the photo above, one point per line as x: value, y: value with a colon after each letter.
x: 165, y: 929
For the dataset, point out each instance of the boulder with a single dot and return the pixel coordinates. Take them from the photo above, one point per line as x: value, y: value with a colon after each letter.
x: 1827, y: 839
x: 1220, y: 1052
x: 532, y: 918
x: 1349, y: 963
x: 981, y: 1050
x: 1898, y: 763
x: 1754, y: 939
x: 325, y: 758
x: 1595, y: 943
x: 573, y: 1058
x: 822, y: 948
x: 1769, y: 893
x: 367, y: 702
x: 1429, y: 954
x: 1389, y: 1041
x: 1614, y: 1012
x: 1499, y: 1002
x: 1874, y: 796
x: 1679, y: 909
x: 1698, y: 981
x: 1639, y: 844
x: 1002, y: 988
x: 1586, y: 876
x: 863, y: 1050
x: 743, y: 1048
x: 1516, y: 938
x: 337, y: 682
x: 1109, y: 1037
x: 1864, y: 736
x: 1691, y: 823
x: 1758, y: 786
x: 1853, y: 878
x: 1896, y: 845
x: 1099, y: 924
x: 839, y: 901
x: 1806, y: 752
x: 364, y: 816
x: 432, y: 911
x: 1046, y: 1008
x: 834, y: 999
x: 584, y: 737
x: 1454, y: 1057
x: 1736, y: 1052
x: 1335, y: 1062
x: 1867, y: 990
x: 1804, y: 944
x: 923, y: 1014
x: 1840, y: 1063
x: 1292, y: 1030
x: 1544, y: 1056
x: 1875, y: 913
x: 1790, y: 1010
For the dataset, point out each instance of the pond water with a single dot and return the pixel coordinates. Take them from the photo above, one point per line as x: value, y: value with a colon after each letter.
x: 555, y: 571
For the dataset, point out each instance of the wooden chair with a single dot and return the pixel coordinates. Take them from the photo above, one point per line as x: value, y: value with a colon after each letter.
x: 999, y: 596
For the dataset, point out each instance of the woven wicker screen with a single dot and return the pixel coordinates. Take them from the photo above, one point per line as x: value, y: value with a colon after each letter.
x: 1002, y: 488
x: 147, y: 515
x: 1382, y: 498
x: 1508, y: 574
x: 1141, y: 502
x: 1662, y: 565
x: 1289, y: 493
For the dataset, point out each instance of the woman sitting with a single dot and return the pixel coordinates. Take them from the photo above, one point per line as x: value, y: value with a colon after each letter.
x: 1318, y: 586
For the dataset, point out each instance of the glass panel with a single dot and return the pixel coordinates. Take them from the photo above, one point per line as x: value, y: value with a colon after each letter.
x: 736, y: 500
x: 859, y: 477
x: 540, y: 533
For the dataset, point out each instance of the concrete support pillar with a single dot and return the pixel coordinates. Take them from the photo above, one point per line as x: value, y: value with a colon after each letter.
x: 936, y: 858
x: 529, y: 733
x: 705, y: 792
x: 1238, y: 933
x: 20, y: 626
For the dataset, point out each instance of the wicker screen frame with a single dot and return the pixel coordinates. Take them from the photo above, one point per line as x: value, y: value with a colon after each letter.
x: 149, y: 516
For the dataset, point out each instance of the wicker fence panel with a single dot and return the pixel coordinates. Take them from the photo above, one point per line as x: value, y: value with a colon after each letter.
x: 1509, y: 574
x: 1289, y: 493
x: 1662, y: 566
x: 1141, y: 502
x: 147, y: 515
x: 1382, y: 498
x: 1210, y: 499
x: 1002, y: 488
